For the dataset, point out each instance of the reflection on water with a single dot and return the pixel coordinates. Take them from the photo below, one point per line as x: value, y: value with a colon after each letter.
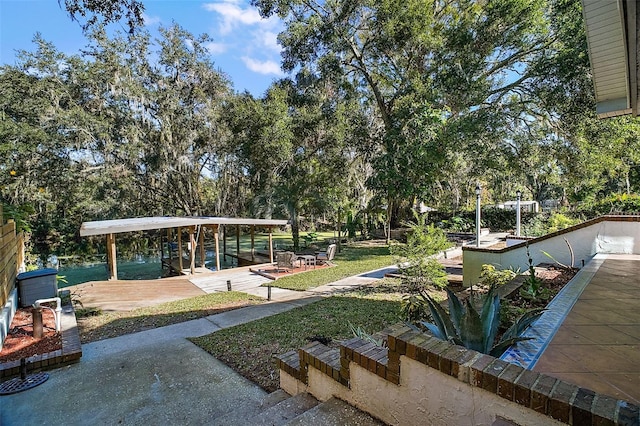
x: 141, y: 267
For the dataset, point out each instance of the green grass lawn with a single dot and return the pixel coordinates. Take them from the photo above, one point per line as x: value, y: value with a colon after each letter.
x: 249, y: 348
x: 352, y: 260
x: 112, y: 324
x: 261, y: 240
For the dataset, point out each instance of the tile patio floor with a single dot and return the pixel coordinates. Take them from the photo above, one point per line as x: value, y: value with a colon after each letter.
x: 597, y: 346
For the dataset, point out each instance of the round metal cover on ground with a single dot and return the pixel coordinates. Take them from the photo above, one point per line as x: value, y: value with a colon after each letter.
x: 18, y: 385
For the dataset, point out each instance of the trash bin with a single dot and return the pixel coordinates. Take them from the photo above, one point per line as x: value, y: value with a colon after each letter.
x: 35, y: 285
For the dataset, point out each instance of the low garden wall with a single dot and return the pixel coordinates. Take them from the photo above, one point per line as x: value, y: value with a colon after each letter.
x: 606, y: 234
x: 419, y: 379
x: 11, y: 260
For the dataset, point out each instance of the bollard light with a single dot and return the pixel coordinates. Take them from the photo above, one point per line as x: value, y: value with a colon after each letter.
x: 518, y: 197
x: 478, y: 191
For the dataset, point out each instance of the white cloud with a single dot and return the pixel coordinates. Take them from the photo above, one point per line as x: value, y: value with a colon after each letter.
x: 242, y: 31
x: 262, y: 67
x: 150, y: 20
x: 233, y: 15
x: 267, y: 39
x: 216, y: 48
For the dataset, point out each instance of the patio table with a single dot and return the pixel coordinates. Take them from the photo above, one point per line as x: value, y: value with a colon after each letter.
x: 308, y: 259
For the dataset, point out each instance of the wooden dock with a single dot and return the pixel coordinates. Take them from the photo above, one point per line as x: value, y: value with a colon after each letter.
x: 126, y: 295
x: 246, y: 258
x: 241, y: 279
x: 173, y: 267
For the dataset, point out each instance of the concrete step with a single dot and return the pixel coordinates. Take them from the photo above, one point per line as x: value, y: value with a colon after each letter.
x: 284, y: 411
x: 274, y: 398
x: 334, y: 412
x: 245, y: 413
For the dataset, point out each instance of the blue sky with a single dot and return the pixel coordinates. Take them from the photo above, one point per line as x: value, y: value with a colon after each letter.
x: 244, y: 45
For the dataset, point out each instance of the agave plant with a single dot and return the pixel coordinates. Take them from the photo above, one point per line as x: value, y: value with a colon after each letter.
x: 464, y: 326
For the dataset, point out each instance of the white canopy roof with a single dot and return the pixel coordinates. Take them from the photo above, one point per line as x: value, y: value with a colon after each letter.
x: 116, y: 226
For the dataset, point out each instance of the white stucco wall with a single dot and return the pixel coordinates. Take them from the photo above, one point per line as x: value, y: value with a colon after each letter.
x: 424, y: 397
x: 609, y: 236
x: 6, y: 315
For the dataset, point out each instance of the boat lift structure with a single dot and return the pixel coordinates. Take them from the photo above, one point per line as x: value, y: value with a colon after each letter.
x: 193, y: 224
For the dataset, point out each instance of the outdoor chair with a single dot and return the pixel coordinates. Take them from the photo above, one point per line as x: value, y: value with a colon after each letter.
x: 325, y: 257
x: 285, y: 260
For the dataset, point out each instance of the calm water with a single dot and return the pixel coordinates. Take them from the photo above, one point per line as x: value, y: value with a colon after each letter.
x: 139, y: 268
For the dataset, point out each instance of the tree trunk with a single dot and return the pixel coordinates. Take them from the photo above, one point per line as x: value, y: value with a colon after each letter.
x: 627, y: 182
x: 388, y: 220
x: 295, y: 229
x: 338, y: 228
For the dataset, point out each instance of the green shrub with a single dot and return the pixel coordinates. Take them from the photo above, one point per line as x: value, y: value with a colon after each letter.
x: 544, y: 223
x: 416, y: 264
x: 536, y: 226
x: 19, y: 214
x: 492, y: 277
x: 413, y: 308
x: 614, y: 204
x: 457, y: 224
x: 498, y: 219
x: 558, y: 221
x: 309, y: 238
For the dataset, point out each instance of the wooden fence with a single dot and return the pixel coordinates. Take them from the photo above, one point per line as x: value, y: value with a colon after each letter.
x: 11, y: 256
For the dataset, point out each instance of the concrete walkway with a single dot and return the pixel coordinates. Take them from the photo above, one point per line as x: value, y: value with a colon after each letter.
x: 155, y: 376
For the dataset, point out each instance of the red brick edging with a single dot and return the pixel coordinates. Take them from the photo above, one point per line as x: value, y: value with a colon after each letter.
x: 547, y: 395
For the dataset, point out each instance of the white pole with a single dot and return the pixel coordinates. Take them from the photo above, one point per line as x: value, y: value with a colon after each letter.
x: 478, y: 216
x: 518, y: 196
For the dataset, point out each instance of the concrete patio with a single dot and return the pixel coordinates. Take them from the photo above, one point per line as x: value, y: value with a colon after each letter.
x: 597, y: 346
x: 590, y: 334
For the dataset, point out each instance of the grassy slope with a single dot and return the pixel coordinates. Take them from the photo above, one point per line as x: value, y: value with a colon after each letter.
x: 261, y: 240
x: 350, y: 261
x: 112, y: 324
x: 249, y: 348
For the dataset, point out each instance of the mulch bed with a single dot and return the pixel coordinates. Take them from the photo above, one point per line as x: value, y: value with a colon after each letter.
x: 20, y: 342
x: 553, y: 279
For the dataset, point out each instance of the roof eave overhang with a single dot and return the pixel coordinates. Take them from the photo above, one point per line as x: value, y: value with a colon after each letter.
x: 611, y: 28
x: 117, y: 226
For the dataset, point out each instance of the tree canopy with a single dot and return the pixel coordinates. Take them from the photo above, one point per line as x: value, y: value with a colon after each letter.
x: 387, y: 104
x: 100, y: 12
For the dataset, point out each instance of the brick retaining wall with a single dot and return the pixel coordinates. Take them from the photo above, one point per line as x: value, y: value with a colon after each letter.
x: 543, y: 394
